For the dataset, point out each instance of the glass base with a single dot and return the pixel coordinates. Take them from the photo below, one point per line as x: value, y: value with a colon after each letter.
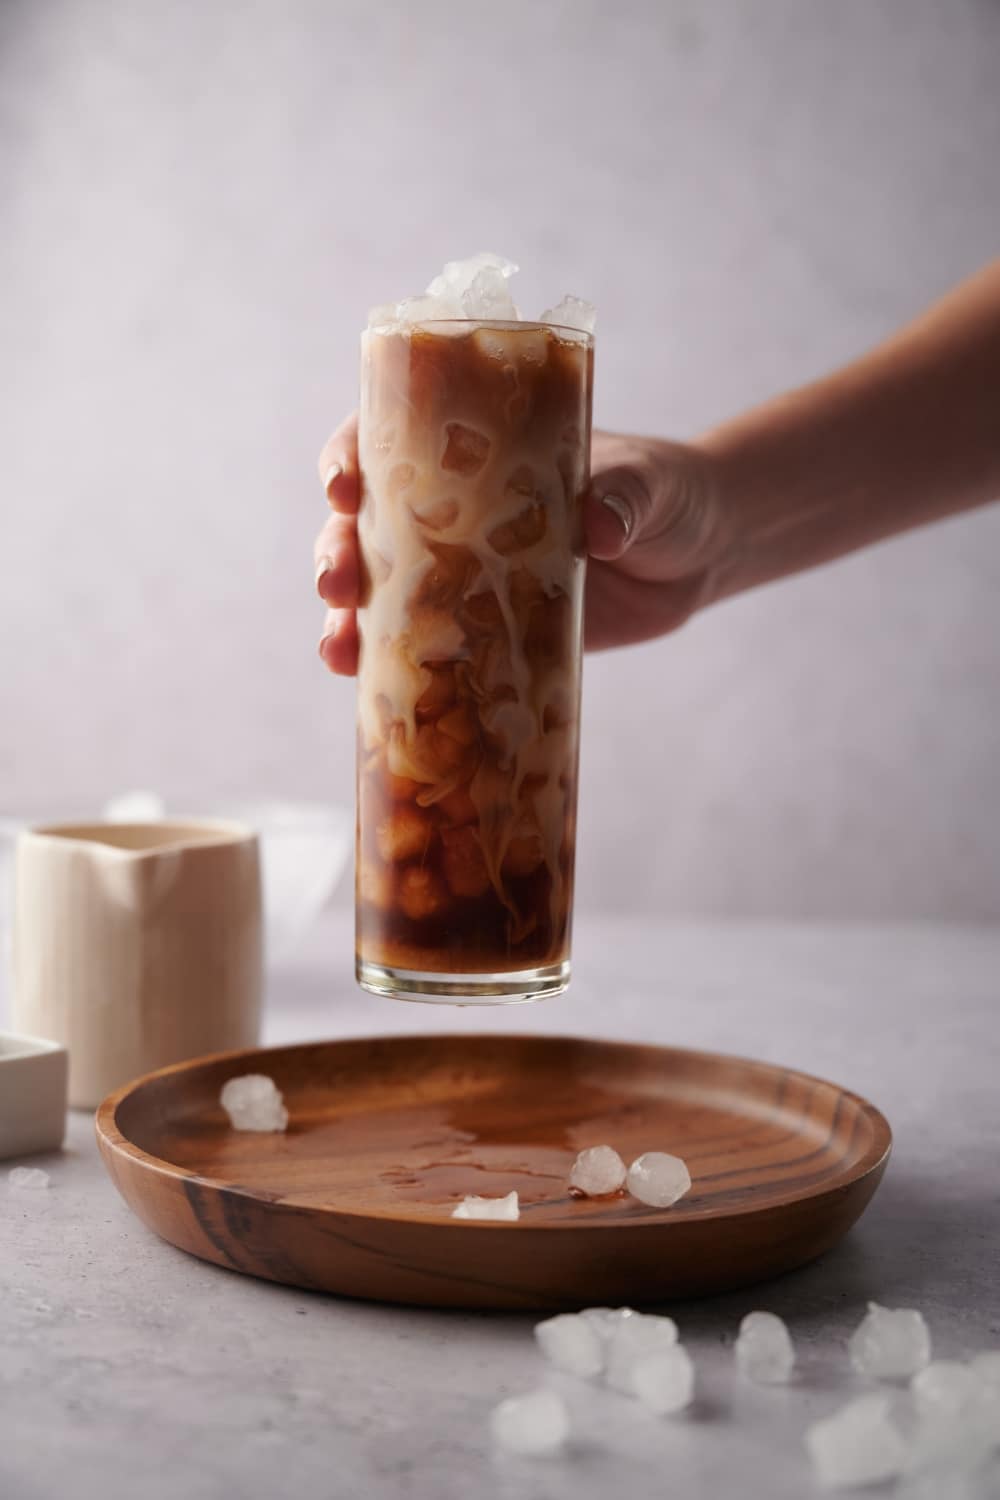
x: 518, y: 987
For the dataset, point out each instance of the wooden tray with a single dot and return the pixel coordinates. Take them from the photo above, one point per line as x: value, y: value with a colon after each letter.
x: 386, y: 1135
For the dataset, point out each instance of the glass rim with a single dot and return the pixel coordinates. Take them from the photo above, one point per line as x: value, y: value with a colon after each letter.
x: 522, y: 325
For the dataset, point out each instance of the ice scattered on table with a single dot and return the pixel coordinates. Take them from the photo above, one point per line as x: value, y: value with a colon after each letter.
x: 597, y: 1172
x: 664, y: 1381
x: 477, y: 288
x: 572, y: 312
x: 254, y: 1102
x: 472, y: 1207
x: 635, y: 1339
x: 658, y: 1179
x: 764, y: 1350
x: 28, y: 1178
x: 890, y: 1343
x: 859, y: 1445
x: 950, y: 1414
x: 571, y: 1343
x: 535, y: 1423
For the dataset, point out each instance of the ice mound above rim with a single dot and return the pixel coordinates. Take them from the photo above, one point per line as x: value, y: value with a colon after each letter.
x: 478, y: 289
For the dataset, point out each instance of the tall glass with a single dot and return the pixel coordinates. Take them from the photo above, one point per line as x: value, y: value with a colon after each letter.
x: 474, y: 444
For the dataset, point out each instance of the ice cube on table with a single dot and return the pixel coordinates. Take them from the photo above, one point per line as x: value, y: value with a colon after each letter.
x: 658, y: 1179
x: 890, y: 1343
x: 571, y: 1343
x: 28, y: 1178
x: 532, y: 1424
x: 572, y: 312
x: 944, y: 1387
x: 858, y: 1445
x: 635, y: 1339
x: 472, y: 1207
x: 959, y: 1416
x: 664, y: 1381
x: 764, y: 1350
x: 254, y: 1102
x: 605, y: 1321
x: 597, y: 1172
x: 943, y: 1445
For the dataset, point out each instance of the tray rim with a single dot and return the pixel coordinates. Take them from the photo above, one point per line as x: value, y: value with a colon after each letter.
x: 874, y: 1160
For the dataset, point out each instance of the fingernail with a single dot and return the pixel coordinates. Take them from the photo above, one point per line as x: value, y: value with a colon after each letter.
x: 324, y: 566
x: 322, y: 644
x: 332, y: 474
x: 617, y: 506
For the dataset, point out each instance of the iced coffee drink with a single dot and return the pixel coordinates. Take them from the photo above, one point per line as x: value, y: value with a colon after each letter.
x: 474, y: 442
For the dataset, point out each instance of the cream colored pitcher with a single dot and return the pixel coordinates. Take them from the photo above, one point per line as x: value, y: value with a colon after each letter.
x: 137, y: 945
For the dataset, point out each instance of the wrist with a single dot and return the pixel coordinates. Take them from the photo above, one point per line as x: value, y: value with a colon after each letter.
x: 781, y: 491
x: 714, y: 483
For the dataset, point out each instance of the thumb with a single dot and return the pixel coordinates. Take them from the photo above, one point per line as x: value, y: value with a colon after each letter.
x: 615, y: 509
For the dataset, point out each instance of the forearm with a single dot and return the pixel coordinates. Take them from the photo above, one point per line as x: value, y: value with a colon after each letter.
x: 908, y: 434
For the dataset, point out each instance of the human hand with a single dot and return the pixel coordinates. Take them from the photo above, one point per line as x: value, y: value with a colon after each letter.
x: 654, y: 531
x: 656, y: 538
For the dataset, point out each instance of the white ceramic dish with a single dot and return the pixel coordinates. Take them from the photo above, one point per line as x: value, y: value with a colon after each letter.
x: 33, y: 1080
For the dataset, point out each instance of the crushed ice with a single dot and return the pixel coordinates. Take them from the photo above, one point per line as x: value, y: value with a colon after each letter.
x: 664, y: 1381
x: 958, y: 1417
x: 254, y: 1102
x: 944, y: 1387
x: 858, y: 1445
x: 571, y: 312
x: 477, y: 288
x: 532, y: 1424
x: 636, y: 1338
x: 472, y: 1207
x: 597, y: 1172
x: 764, y: 1351
x: 573, y: 1344
x: 658, y: 1179
x: 950, y: 1416
x: 890, y: 1343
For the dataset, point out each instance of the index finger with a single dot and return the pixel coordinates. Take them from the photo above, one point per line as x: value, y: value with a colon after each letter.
x: 338, y: 467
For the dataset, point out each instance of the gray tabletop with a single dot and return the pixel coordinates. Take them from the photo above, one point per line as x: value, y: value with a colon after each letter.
x: 128, y: 1368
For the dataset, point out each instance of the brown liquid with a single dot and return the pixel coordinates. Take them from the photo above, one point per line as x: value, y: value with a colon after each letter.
x: 474, y: 446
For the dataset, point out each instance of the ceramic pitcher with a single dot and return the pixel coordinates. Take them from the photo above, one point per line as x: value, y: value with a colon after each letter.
x: 137, y: 945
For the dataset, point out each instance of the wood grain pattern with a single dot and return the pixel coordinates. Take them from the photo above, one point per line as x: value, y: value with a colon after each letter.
x: 387, y: 1134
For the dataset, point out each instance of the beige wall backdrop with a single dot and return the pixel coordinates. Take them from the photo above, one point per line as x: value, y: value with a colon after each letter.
x: 200, y: 200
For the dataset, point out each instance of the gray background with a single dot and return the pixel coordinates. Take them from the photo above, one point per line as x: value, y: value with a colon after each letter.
x: 199, y: 202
